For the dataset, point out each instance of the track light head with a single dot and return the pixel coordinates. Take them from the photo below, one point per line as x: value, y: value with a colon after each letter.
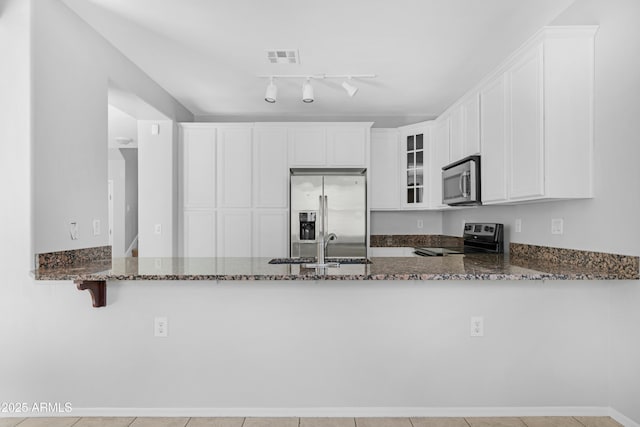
x: 272, y: 92
x: 351, y: 90
x: 307, y: 91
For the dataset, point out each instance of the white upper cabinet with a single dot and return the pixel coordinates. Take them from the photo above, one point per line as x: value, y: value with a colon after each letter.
x: 526, y: 130
x: 384, y: 174
x: 270, y: 167
x: 465, y: 128
x: 493, y: 100
x: 308, y: 146
x: 471, y: 131
x: 235, y: 167
x: 347, y: 146
x: 537, y: 119
x: 329, y: 144
x: 414, y: 178
x: 198, y: 176
x: 439, y: 148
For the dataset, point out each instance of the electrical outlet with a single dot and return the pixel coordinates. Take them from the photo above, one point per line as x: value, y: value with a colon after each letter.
x: 155, y: 129
x: 420, y: 223
x: 157, y: 229
x: 518, y: 225
x: 96, y: 227
x: 477, y: 326
x: 160, y: 327
x: 73, y: 230
x: 557, y: 226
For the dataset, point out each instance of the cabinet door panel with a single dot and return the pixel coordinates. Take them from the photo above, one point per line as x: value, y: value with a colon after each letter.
x: 271, y: 174
x: 527, y: 128
x: 471, y: 133
x: 271, y: 231
x: 198, y: 173
x: 384, y: 173
x: 235, y: 167
x: 199, y: 234
x: 308, y: 146
x: 439, y: 158
x: 457, y: 132
x: 347, y: 146
x: 494, y: 161
x: 234, y: 233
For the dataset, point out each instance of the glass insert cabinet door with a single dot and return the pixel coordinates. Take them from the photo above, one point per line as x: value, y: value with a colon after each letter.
x: 415, y: 150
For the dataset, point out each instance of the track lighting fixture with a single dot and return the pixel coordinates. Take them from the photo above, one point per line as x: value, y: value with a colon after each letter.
x: 351, y: 90
x: 307, y: 90
x: 272, y: 92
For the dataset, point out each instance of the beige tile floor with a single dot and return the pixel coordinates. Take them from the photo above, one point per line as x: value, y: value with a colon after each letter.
x: 312, y: 422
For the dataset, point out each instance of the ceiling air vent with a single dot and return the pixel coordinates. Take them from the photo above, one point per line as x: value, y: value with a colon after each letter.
x: 283, y: 56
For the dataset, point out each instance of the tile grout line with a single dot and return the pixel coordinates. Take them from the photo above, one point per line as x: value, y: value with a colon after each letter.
x: 132, y: 421
x: 579, y: 422
x: 523, y: 422
x: 466, y: 421
x: 77, y: 421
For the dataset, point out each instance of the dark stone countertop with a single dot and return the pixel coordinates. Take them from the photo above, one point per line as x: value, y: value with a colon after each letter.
x: 452, y: 267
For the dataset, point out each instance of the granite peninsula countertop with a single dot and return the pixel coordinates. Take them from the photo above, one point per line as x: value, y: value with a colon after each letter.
x: 453, y: 267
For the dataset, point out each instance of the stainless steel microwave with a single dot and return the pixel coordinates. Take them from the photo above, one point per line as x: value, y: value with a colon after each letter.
x: 461, y: 182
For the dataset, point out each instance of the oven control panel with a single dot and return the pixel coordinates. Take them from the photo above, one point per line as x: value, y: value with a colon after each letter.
x: 483, y: 237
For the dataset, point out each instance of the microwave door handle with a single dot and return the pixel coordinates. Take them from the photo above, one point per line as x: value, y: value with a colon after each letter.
x: 466, y: 185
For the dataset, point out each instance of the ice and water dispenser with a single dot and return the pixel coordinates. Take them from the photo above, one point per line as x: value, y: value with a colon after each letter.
x: 307, y: 221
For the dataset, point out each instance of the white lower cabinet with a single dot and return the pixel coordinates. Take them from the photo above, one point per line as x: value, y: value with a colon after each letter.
x: 199, y: 234
x: 234, y: 233
x: 384, y: 175
x: 271, y: 233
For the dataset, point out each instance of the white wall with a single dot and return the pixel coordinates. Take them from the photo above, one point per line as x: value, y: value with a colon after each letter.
x: 157, y: 189
x: 406, y: 222
x: 72, y: 69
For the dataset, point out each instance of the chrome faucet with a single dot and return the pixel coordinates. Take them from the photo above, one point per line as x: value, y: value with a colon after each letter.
x: 330, y: 237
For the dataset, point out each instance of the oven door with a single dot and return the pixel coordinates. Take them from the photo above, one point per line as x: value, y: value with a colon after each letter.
x: 460, y: 183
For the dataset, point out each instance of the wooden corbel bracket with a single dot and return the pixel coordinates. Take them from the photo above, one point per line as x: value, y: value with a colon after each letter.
x: 97, y: 289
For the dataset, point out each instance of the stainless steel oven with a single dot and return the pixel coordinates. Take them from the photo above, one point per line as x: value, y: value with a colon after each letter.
x: 461, y: 182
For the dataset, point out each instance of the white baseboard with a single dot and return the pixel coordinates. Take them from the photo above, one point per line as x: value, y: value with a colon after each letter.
x: 346, y: 412
x: 622, y: 419
x: 524, y: 411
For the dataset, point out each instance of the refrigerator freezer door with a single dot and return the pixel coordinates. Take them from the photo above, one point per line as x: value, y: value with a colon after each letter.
x: 347, y: 215
x: 305, y: 191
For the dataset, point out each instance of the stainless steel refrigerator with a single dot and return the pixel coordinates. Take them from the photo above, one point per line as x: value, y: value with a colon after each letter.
x: 344, y: 192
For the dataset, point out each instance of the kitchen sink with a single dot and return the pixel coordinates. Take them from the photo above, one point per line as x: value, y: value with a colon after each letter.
x: 327, y: 260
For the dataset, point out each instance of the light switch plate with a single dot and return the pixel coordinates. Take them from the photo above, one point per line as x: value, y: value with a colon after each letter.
x: 73, y: 230
x: 96, y: 227
x: 157, y: 229
x: 518, y: 225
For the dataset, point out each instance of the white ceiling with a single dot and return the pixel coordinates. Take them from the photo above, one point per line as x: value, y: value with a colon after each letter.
x: 426, y: 53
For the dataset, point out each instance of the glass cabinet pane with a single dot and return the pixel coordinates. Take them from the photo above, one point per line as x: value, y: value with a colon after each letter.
x: 410, y: 160
x: 419, y: 158
x: 419, y: 142
x: 410, y: 144
x: 418, y: 195
x: 410, y: 195
x: 411, y: 178
x: 419, y: 177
